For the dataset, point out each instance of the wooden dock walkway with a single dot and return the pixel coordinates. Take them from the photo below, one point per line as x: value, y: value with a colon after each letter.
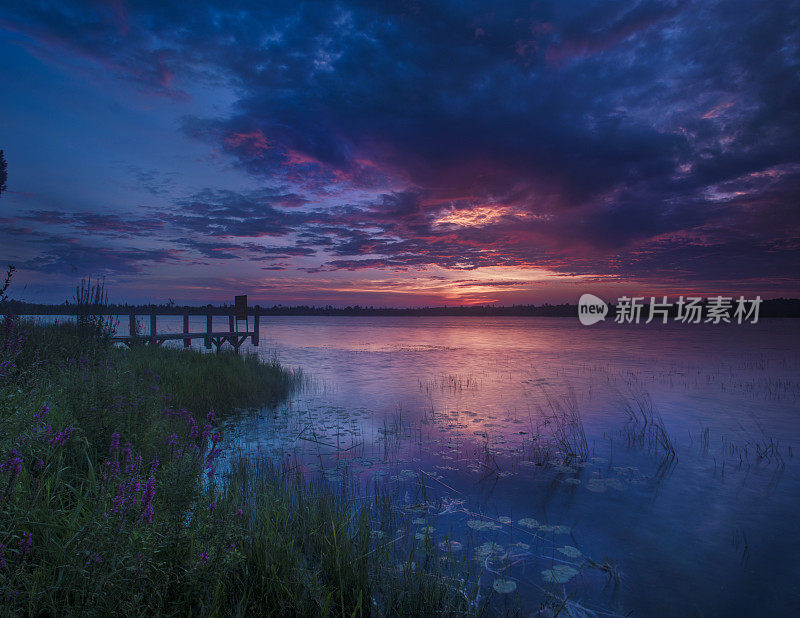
x: 211, y: 338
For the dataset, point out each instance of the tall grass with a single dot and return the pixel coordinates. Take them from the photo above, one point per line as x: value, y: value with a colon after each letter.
x: 111, y: 502
x: 90, y: 301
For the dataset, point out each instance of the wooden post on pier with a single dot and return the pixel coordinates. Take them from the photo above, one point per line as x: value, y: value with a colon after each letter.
x: 240, y: 311
x: 254, y: 338
x: 187, y: 343
x: 209, y: 319
x: 153, y: 327
x: 231, y: 327
x: 132, y: 324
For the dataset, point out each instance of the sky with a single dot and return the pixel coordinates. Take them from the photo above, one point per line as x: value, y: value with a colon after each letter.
x: 400, y: 153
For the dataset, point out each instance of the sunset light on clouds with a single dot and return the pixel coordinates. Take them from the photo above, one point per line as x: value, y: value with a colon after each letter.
x: 401, y: 154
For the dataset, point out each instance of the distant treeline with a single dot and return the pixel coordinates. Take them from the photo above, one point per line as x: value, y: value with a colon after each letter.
x: 772, y: 308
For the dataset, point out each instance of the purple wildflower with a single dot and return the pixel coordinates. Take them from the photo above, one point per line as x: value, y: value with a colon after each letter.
x: 95, y: 558
x: 25, y: 543
x: 61, y: 437
x: 41, y: 414
x: 147, y: 500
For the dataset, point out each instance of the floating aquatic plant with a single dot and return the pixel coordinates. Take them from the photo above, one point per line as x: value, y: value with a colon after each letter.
x: 559, y: 574
x: 570, y: 551
x: 504, y: 586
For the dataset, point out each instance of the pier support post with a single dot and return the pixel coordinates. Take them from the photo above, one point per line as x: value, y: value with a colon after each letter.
x: 187, y: 343
x: 231, y: 325
x: 209, y: 319
x: 153, y: 328
x: 132, y: 324
x: 254, y: 339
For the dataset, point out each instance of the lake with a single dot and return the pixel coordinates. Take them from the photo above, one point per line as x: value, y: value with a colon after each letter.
x: 644, y: 469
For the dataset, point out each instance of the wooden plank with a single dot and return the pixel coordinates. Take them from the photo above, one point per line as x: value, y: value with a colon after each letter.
x: 132, y: 323
x: 153, y: 324
x: 178, y: 336
x: 209, y: 325
x: 187, y: 343
x: 254, y: 340
x: 231, y: 325
x: 240, y: 306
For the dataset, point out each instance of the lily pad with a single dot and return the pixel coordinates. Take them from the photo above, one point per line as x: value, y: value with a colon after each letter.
x: 596, y: 485
x: 569, y: 550
x: 559, y: 574
x: 488, y: 550
x: 482, y: 524
x: 504, y: 586
x: 452, y: 546
x: 528, y: 522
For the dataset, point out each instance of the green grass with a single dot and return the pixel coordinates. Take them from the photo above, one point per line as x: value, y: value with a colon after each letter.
x: 110, y: 502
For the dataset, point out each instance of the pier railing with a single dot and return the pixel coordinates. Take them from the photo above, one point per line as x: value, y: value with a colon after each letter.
x: 210, y: 337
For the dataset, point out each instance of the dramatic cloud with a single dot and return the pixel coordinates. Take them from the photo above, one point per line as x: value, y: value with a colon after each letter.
x: 653, y: 143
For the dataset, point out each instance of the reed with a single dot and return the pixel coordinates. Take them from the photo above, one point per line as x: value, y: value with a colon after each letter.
x: 112, y: 501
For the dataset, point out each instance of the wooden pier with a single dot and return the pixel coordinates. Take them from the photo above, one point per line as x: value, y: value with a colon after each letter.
x: 211, y: 338
x: 216, y: 339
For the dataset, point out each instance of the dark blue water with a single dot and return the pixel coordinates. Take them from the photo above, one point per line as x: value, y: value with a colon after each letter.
x: 454, y: 404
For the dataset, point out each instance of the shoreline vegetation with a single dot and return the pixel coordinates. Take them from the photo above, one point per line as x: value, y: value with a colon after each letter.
x: 112, y: 503
x: 770, y: 308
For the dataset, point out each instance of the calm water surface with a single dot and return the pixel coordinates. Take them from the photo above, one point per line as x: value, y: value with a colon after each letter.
x: 455, y: 404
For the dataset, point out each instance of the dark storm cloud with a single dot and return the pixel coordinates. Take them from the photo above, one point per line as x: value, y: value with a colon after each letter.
x: 106, y: 224
x: 635, y: 139
x: 230, y: 213
x: 70, y: 256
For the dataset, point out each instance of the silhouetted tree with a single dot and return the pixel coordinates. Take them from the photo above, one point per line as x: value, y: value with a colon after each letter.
x: 3, y: 174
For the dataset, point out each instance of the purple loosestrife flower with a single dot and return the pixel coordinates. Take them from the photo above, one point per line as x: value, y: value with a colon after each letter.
x: 41, y: 414
x: 2, y: 554
x: 113, y: 446
x: 204, y: 557
x: 94, y: 558
x: 147, y: 500
x: 25, y: 543
x: 127, y: 451
x: 61, y: 437
x: 12, y: 465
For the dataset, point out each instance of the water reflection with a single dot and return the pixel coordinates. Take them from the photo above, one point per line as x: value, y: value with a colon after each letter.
x: 633, y: 469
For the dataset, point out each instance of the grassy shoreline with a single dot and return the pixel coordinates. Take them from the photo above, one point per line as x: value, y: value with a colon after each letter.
x: 111, y: 504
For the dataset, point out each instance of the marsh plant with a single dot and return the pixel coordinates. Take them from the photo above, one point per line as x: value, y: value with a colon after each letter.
x: 91, y: 301
x: 112, y: 501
